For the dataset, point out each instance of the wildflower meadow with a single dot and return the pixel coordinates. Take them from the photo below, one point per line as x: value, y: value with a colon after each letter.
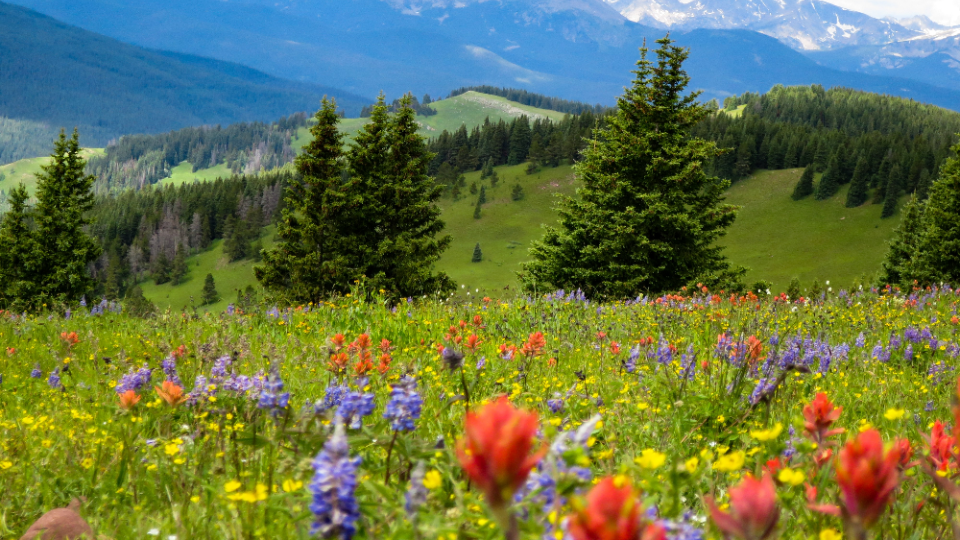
x: 688, y: 416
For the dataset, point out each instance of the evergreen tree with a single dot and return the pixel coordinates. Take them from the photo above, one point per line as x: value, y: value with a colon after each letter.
x: 804, y: 186
x: 482, y: 199
x: 476, y: 210
x: 400, y: 244
x: 844, y: 167
x: 898, y: 265
x: 793, y: 289
x: 136, y: 304
x: 487, y: 169
x: 923, y: 185
x: 161, y: 269
x: 821, y: 155
x: 520, y: 138
x: 17, y: 253
x: 741, y: 168
x: 939, y: 258
x: 477, y: 254
x: 859, y: 186
x: 179, y: 270
x: 648, y: 217
x: 892, y: 193
x: 64, y: 251
x: 310, y: 260
x: 829, y: 182
x: 517, y: 192
x: 209, y: 294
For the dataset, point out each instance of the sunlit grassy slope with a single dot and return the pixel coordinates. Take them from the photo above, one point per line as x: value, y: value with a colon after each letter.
x: 778, y: 238
x: 26, y: 171
x: 184, y: 174
x: 775, y: 237
x: 229, y: 277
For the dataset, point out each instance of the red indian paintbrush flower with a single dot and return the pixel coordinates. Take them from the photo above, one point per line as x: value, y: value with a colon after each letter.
x: 753, y: 510
x: 128, y: 399
x: 867, y: 476
x: 611, y: 512
x: 496, y: 451
x: 941, y: 446
x: 818, y: 416
x: 171, y: 393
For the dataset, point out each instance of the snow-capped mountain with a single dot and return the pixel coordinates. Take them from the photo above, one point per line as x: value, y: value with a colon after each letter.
x: 805, y: 25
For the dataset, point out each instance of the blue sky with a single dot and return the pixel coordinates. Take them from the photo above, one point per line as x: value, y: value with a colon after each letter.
x: 941, y: 11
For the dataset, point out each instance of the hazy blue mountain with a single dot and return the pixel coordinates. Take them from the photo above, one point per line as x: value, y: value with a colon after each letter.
x: 576, y: 49
x: 60, y: 75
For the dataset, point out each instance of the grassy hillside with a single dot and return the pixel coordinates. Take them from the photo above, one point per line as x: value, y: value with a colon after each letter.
x: 229, y: 277
x: 778, y: 238
x: 775, y: 237
x: 184, y: 173
x: 26, y: 170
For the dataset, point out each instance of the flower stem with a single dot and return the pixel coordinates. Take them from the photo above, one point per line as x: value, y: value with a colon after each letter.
x: 386, y: 478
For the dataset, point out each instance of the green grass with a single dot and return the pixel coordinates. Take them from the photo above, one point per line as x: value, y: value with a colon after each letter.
x: 183, y: 174
x: 228, y: 276
x: 505, y: 229
x: 774, y: 237
x: 778, y: 238
x: 26, y: 170
x: 470, y: 109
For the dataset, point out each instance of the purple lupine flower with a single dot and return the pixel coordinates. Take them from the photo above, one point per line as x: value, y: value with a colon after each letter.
x: 221, y: 367
x: 83, y: 301
x: 555, y: 405
x: 54, y: 379
x: 682, y: 529
x: 272, y: 397
x: 353, y: 407
x: 333, y: 489
x: 332, y: 397
x: 630, y: 365
x: 481, y: 363
x: 908, y: 352
x: 134, y: 380
x: 404, y: 405
x: 861, y: 341
x: 758, y: 391
x: 453, y: 359
x: 929, y: 406
x: 664, y: 352
x: 36, y: 373
x: 912, y: 334
x: 201, y: 389
x: 67, y: 315
x: 688, y: 364
x: 416, y: 494
x: 231, y: 309
x: 169, y: 366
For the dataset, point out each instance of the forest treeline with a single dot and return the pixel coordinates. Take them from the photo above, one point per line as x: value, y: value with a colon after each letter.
x: 885, y: 146
x: 150, y: 232
x: 137, y: 161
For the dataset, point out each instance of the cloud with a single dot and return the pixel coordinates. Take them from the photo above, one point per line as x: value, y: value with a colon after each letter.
x: 941, y: 11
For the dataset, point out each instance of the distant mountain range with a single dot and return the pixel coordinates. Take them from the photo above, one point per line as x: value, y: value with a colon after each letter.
x: 55, y: 75
x: 576, y: 49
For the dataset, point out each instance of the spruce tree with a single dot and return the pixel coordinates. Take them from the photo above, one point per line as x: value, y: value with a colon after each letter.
x: 64, y: 250
x: 161, y: 269
x: 517, y: 192
x: 899, y: 265
x: 310, y: 261
x: 520, y: 138
x: 179, y: 270
x: 892, y: 193
x: 648, y: 217
x: 482, y: 199
x: 859, y: 186
x: 209, y: 294
x: 828, y: 184
x: 476, y: 210
x: 402, y: 237
x: 477, y: 254
x: 17, y: 253
x: 939, y: 258
x: 804, y: 186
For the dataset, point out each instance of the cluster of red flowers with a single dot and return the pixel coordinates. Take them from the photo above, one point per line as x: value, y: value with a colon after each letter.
x: 70, y: 339
x: 362, y: 350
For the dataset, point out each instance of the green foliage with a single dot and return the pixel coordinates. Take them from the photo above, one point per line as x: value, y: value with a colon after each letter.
x: 161, y: 269
x: 898, y: 265
x: 311, y: 260
x: 829, y: 183
x: 859, y: 185
x: 793, y: 290
x: 477, y: 209
x: 517, y: 192
x: 49, y: 243
x: 761, y: 287
x: 136, y: 304
x: 179, y: 270
x: 805, y: 184
x: 648, y: 217
x: 482, y: 199
x: 209, y: 294
x: 939, y: 253
x: 477, y: 254
x: 892, y: 193
x: 17, y: 251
